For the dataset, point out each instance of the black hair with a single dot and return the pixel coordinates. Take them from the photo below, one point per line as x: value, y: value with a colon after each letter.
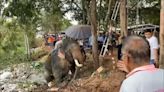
x: 148, y: 30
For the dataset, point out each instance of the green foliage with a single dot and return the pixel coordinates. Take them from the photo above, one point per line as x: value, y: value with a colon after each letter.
x: 151, y: 15
x: 19, y: 18
x: 9, y: 60
x: 12, y: 48
x: 54, y: 23
x: 21, y: 9
x: 9, y: 40
x: 149, y: 11
x: 36, y: 65
x: 65, y: 24
x: 30, y: 12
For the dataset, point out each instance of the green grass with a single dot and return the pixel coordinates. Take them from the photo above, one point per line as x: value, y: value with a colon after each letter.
x: 7, y: 61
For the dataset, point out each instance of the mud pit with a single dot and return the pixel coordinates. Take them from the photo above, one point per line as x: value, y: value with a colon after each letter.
x: 108, y: 80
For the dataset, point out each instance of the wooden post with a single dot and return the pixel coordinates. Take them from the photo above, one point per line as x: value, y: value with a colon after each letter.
x: 161, y: 61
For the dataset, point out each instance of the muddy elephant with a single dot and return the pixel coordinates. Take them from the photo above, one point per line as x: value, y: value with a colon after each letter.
x: 64, y: 60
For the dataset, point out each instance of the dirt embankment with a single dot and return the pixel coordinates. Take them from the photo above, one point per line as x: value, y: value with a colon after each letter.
x: 107, y: 80
x: 97, y: 83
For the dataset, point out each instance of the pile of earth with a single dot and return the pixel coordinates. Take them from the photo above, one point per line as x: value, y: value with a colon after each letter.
x: 106, y: 79
x: 95, y: 83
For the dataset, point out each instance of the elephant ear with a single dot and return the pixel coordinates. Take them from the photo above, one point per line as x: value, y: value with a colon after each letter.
x: 68, y: 56
x: 61, y: 54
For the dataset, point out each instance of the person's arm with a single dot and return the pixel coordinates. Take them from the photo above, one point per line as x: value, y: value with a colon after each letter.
x: 155, y: 50
x: 156, y: 56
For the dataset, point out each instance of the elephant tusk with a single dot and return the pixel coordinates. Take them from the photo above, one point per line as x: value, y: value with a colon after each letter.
x: 77, y: 63
x: 50, y: 84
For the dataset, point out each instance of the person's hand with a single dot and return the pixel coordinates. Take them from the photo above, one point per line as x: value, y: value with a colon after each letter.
x: 156, y: 63
x: 156, y: 60
x: 122, y: 66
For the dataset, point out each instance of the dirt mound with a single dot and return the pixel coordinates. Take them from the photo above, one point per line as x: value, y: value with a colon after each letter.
x: 94, y: 84
x: 97, y: 83
x: 107, y: 80
x: 41, y: 88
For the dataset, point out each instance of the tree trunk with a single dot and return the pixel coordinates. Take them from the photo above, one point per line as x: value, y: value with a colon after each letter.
x: 87, y: 7
x: 84, y: 21
x: 94, y: 34
x: 161, y: 61
x: 27, y: 45
x: 107, y: 17
x: 99, y: 19
x: 123, y: 18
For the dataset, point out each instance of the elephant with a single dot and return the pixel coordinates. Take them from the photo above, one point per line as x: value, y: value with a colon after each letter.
x: 64, y: 60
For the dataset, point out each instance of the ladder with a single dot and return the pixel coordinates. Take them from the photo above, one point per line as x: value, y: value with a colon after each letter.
x: 115, y: 11
x: 104, y: 48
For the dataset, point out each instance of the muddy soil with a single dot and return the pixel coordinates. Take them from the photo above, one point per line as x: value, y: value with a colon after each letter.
x: 108, y: 80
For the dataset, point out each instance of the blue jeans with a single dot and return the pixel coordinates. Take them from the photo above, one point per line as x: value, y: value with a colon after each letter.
x: 152, y: 61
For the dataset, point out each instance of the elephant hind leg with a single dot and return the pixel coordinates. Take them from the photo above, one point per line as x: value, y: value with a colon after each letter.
x: 48, y: 76
x: 48, y: 70
x: 61, y: 78
x: 58, y: 76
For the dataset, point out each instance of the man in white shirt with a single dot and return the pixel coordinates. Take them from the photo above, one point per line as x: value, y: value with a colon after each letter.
x: 153, y: 42
x: 142, y: 76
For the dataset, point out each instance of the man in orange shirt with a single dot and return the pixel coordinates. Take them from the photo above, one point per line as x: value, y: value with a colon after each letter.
x: 51, y: 41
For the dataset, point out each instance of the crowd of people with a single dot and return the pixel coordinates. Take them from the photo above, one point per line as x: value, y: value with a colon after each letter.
x: 139, y: 60
x: 52, y: 39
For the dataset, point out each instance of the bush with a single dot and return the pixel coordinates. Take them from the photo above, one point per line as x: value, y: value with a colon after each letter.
x: 7, y: 60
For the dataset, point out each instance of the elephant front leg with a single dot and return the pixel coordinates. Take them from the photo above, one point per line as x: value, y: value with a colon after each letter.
x: 72, y: 69
x: 74, y: 75
x: 58, y: 75
x: 76, y: 70
x: 48, y: 73
x: 49, y: 78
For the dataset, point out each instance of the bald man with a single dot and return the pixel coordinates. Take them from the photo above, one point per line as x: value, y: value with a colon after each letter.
x: 141, y: 77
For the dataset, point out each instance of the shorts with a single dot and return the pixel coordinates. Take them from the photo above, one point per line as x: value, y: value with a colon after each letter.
x: 50, y: 44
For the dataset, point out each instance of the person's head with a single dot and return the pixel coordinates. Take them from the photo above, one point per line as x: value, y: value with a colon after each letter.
x: 106, y: 33
x: 136, y: 52
x: 148, y: 33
